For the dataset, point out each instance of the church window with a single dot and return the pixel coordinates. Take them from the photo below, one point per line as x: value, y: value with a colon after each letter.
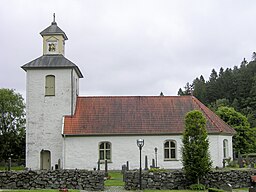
x: 105, y: 151
x: 170, y: 150
x: 225, y: 148
x: 50, y: 85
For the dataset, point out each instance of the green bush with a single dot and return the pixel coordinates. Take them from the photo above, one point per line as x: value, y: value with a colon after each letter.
x: 156, y: 170
x: 233, y: 164
x: 215, y: 190
x: 197, y: 187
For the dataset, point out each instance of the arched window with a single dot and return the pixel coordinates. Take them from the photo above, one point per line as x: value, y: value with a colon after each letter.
x: 50, y: 85
x: 170, y: 150
x: 225, y: 149
x: 105, y: 151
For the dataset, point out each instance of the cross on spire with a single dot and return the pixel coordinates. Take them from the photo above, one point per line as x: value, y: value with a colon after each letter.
x: 54, y: 22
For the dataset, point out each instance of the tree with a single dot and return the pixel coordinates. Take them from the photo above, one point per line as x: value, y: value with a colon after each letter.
x: 180, y: 92
x: 12, y: 125
x: 254, y: 56
x: 244, y: 139
x: 199, y: 89
x: 187, y: 90
x: 195, y: 150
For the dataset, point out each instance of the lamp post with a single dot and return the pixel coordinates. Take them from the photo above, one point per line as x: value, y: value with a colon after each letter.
x: 156, y: 155
x: 140, y: 144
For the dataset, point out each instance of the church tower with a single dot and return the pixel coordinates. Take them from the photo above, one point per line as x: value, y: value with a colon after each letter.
x: 52, y: 86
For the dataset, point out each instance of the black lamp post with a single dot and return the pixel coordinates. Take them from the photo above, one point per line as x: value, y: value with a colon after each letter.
x: 156, y: 155
x: 140, y: 144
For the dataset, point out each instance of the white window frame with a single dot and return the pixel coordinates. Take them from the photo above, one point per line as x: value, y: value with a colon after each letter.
x: 105, y: 150
x: 170, y: 148
x: 225, y: 149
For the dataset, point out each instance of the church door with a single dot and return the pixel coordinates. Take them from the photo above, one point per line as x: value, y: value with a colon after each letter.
x: 45, y: 159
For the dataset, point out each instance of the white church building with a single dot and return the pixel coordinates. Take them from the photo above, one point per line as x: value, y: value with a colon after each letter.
x: 69, y: 131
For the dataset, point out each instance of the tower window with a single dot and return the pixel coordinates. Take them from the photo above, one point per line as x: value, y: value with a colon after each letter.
x: 50, y: 85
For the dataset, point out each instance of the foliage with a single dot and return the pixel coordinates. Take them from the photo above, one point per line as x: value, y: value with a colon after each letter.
x: 195, y: 150
x: 244, y: 139
x: 154, y: 170
x: 197, y: 187
x: 12, y: 125
x: 237, y: 86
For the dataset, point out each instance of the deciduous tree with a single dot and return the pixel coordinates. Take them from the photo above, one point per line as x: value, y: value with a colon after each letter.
x: 244, y: 139
x: 12, y: 125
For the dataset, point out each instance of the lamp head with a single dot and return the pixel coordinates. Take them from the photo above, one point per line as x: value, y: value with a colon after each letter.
x: 140, y: 143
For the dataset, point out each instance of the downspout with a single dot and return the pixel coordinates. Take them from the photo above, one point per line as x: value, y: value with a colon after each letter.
x: 72, y: 94
x: 64, y: 143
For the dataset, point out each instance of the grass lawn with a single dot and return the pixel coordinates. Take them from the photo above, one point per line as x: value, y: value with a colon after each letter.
x: 171, y: 190
x: 235, y: 190
x: 116, y: 179
x: 17, y: 168
x: 39, y: 190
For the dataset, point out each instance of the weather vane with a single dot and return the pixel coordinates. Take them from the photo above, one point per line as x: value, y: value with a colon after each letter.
x: 54, y: 17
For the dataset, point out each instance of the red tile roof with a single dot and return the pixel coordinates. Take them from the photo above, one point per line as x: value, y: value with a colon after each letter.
x: 127, y: 115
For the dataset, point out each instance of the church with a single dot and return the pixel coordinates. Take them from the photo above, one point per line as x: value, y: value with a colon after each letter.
x: 68, y: 131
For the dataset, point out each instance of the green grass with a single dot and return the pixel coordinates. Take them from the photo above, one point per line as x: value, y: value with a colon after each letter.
x: 15, y: 168
x: 235, y: 190
x: 148, y: 190
x: 115, y: 179
x: 39, y: 190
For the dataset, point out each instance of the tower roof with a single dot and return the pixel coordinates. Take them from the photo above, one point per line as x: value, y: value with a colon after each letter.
x: 53, y: 29
x: 52, y: 61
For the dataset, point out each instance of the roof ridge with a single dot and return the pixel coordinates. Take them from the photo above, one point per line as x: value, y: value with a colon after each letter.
x: 208, y: 116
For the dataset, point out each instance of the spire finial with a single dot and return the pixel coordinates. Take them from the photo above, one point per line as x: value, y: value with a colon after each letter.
x: 54, y: 22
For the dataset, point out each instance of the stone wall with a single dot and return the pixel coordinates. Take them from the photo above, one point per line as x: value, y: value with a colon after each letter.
x: 57, y: 179
x: 177, y: 180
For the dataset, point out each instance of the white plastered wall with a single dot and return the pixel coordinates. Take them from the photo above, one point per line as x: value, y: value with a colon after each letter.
x: 82, y: 152
x: 44, y: 114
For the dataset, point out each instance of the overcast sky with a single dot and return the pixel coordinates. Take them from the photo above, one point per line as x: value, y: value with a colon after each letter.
x: 130, y: 47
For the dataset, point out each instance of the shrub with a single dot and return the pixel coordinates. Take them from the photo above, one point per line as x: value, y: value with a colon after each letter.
x: 197, y: 187
x: 156, y: 170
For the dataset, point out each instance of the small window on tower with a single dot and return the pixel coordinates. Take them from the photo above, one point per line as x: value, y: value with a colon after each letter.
x: 50, y: 85
x: 52, y: 46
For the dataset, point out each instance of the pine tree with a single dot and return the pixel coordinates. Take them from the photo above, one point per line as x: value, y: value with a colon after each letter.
x: 195, y: 150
